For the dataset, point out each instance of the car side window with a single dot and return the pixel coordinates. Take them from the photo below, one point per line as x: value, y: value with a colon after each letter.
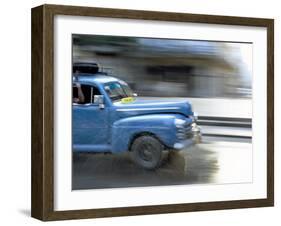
x: 84, y: 94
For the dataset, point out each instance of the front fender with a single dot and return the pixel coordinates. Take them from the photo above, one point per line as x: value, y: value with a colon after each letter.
x: 160, y: 125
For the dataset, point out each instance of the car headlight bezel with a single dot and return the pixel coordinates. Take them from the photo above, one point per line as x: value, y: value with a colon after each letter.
x: 195, y: 116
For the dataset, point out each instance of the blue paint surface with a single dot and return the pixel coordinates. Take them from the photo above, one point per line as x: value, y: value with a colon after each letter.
x: 113, y: 128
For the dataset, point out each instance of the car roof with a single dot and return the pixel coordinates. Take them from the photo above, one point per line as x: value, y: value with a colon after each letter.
x: 94, y: 78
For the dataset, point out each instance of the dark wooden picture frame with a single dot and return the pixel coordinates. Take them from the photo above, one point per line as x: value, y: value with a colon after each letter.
x: 42, y: 203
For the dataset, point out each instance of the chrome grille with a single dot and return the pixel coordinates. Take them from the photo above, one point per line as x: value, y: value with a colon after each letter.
x: 185, y: 132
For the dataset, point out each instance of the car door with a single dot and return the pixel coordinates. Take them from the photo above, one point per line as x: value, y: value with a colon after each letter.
x: 90, y: 123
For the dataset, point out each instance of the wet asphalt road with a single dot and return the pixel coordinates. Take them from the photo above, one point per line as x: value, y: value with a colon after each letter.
x: 216, y: 160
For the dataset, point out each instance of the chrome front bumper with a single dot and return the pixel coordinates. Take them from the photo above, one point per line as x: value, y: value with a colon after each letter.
x: 194, y: 139
x: 196, y: 131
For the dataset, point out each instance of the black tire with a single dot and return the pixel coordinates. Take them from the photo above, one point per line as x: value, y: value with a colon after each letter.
x: 147, y: 152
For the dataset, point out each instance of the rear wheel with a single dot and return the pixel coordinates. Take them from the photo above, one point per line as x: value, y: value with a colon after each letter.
x: 147, y: 152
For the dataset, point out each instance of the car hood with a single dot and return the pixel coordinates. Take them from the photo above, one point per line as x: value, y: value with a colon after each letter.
x: 153, y: 106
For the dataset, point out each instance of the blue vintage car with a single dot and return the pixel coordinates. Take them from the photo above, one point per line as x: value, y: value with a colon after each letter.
x: 108, y: 117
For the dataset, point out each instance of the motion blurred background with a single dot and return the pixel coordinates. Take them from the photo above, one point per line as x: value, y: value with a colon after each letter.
x: 165, y: 67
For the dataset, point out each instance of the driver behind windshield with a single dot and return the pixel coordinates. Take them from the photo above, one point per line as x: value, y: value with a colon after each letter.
x: 79, y: 98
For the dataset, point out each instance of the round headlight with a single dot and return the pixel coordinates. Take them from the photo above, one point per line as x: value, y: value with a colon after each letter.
x: 195, y: 116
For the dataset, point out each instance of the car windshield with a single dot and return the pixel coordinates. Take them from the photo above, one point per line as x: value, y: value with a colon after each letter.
x: 118, y: 90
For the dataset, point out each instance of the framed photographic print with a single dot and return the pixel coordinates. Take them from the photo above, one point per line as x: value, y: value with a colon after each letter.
x: 141, y: 112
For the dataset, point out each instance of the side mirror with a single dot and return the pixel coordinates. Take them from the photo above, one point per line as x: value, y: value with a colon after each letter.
x: 99, y: 99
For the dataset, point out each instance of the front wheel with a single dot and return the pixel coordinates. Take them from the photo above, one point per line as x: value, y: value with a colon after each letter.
x: 147, y: 152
